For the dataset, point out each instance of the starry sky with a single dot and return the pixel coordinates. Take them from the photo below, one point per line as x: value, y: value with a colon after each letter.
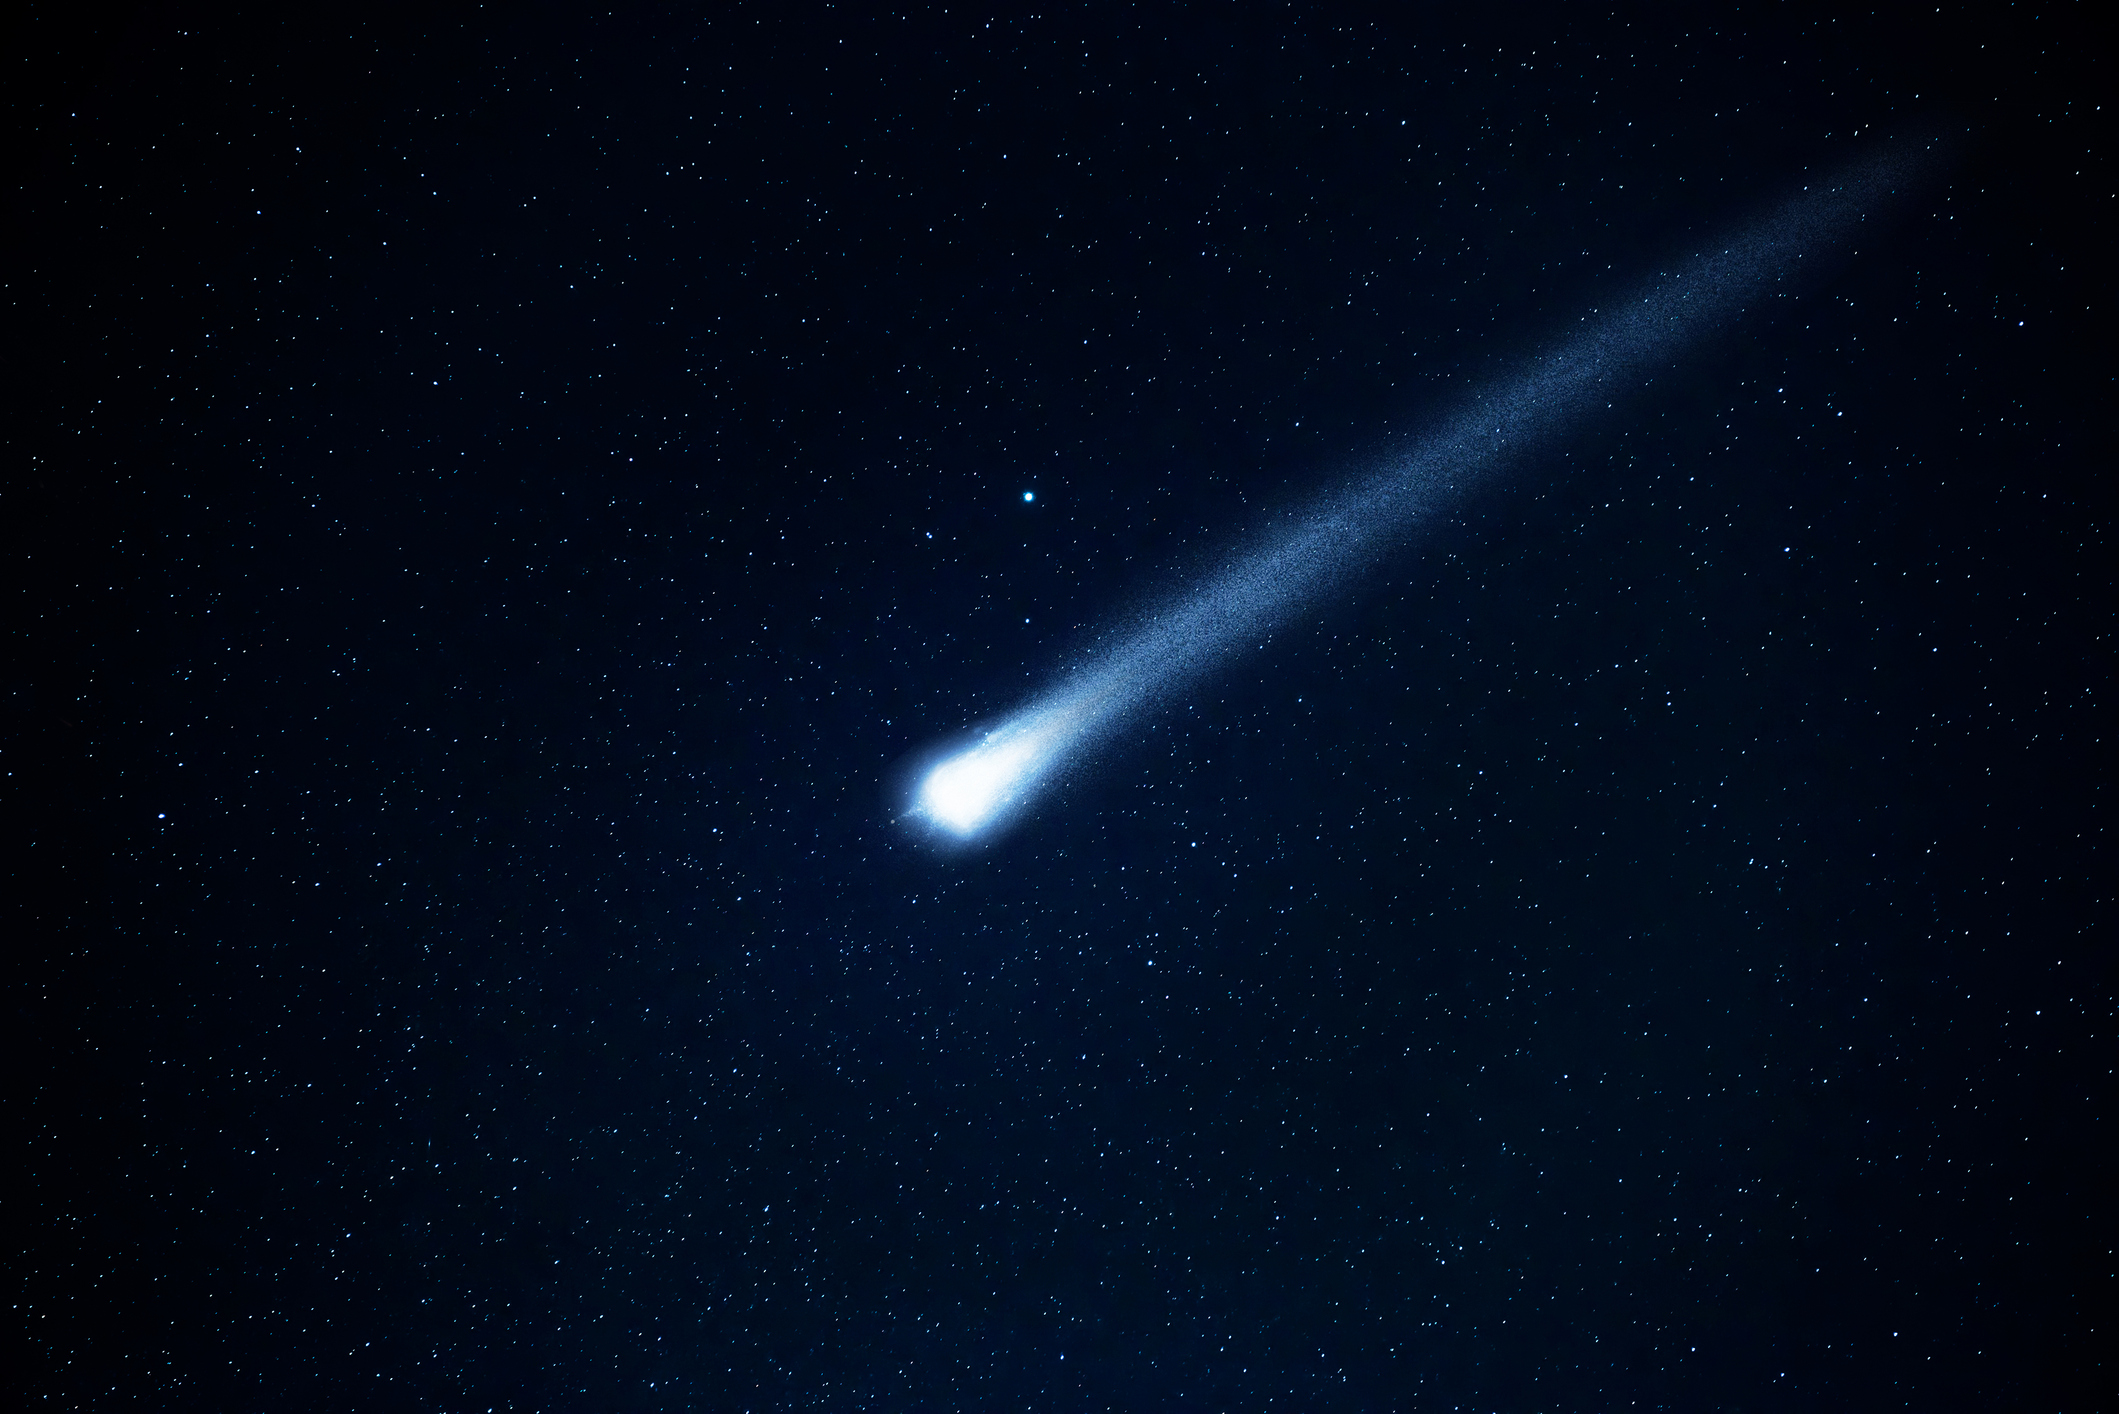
x: 500, y: 498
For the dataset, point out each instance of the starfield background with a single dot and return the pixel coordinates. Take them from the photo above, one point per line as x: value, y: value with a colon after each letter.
x: 495, y: 496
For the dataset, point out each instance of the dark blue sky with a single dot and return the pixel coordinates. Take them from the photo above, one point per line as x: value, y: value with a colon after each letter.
x: 496, y: 499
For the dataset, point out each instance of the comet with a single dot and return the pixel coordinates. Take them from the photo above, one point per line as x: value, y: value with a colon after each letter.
x: 1610, y: 357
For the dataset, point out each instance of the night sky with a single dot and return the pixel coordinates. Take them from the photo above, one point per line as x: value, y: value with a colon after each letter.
x: 498, y: 500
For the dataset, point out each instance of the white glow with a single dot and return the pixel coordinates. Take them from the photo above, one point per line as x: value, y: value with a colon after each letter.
x: 972, y: 789
x: 965, y: 791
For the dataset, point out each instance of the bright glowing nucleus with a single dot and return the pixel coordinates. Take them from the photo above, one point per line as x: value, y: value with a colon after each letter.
x: 966, y: 791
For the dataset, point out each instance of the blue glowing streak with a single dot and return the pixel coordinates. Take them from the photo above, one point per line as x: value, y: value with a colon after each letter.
x: 970, y: 791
